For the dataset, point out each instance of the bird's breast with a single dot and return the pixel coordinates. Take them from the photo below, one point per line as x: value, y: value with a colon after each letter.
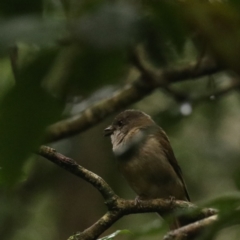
x: 150, y: 174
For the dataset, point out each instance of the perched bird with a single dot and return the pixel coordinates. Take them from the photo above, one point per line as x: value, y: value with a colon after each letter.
x: 145, y: 158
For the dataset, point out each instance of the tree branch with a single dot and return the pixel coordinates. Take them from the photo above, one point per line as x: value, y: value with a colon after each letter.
x: 71, y: 166
x: 118, y: 207
x: 181, y: 96
x: 235, y: 85
x: 191, y: 230
x: 129, y: 94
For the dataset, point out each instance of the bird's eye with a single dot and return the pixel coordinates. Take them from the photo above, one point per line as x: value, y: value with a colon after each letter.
x: 120, y: 123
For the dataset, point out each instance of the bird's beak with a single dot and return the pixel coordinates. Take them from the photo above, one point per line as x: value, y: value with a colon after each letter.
x: 108, y: 131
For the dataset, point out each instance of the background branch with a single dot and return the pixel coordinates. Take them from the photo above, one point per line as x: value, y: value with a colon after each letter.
x: 129, y: 94
x: 181, y: 96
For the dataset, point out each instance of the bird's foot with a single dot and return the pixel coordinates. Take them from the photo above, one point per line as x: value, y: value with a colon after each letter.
x: 137, y: 200
x: 171, y: 200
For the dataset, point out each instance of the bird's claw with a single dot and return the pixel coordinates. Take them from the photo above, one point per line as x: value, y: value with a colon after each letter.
x: 171, y: 200
x: 137, y: 200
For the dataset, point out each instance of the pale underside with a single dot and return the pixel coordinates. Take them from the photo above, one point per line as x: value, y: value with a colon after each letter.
x: 147, y: 171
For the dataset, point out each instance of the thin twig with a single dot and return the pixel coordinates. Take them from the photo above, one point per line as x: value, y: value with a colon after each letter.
x: 218, y: 93
x: 13, y: 54
x: 181, y: 96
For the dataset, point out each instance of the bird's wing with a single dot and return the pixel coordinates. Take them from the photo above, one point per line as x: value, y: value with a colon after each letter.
x: 165, y: 144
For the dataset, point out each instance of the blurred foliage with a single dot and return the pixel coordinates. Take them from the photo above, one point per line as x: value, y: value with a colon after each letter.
x: 19, y: 116
x: 217, y: 24
x: 165, y: 30
x: 20, y: 7
x: 68, y: 50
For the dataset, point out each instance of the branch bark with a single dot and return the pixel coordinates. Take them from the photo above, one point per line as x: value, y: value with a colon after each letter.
x: 191, y: 230
x: 118, y: 207
x: 127, y: 95
x: 71, y: 166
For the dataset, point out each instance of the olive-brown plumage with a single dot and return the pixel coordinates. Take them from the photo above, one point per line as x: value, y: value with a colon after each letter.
x: 145, y: 157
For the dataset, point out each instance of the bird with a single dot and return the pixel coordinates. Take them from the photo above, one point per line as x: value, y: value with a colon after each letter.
x: 146, y: 159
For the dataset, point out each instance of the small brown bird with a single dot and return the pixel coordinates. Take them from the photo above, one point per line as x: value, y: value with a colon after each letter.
x: 145, y: 158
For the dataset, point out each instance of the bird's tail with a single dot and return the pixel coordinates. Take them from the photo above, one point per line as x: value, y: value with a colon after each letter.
x: 176, y: 223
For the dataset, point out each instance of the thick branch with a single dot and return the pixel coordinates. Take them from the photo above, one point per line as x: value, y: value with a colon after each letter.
x: 126, y: 207
x: 129, y: 94
x: 118, y: 207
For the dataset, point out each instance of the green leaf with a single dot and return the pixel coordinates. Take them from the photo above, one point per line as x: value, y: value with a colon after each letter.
x: 111, y: 26
x: 87, y: 68
x: 228, y: 219
x: 228, y: 215
x: 236, y: 178
x: 113, y: 235
x: 16, y: 7
x: 151, y: 229
x: 235, y: 3
x: 75, y: 9
x: 97, y: 67
x: 25, y: 112
x: 165, y: 27
x: 229, y: 201
x: 218, y: 26
x: 30, y: 30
